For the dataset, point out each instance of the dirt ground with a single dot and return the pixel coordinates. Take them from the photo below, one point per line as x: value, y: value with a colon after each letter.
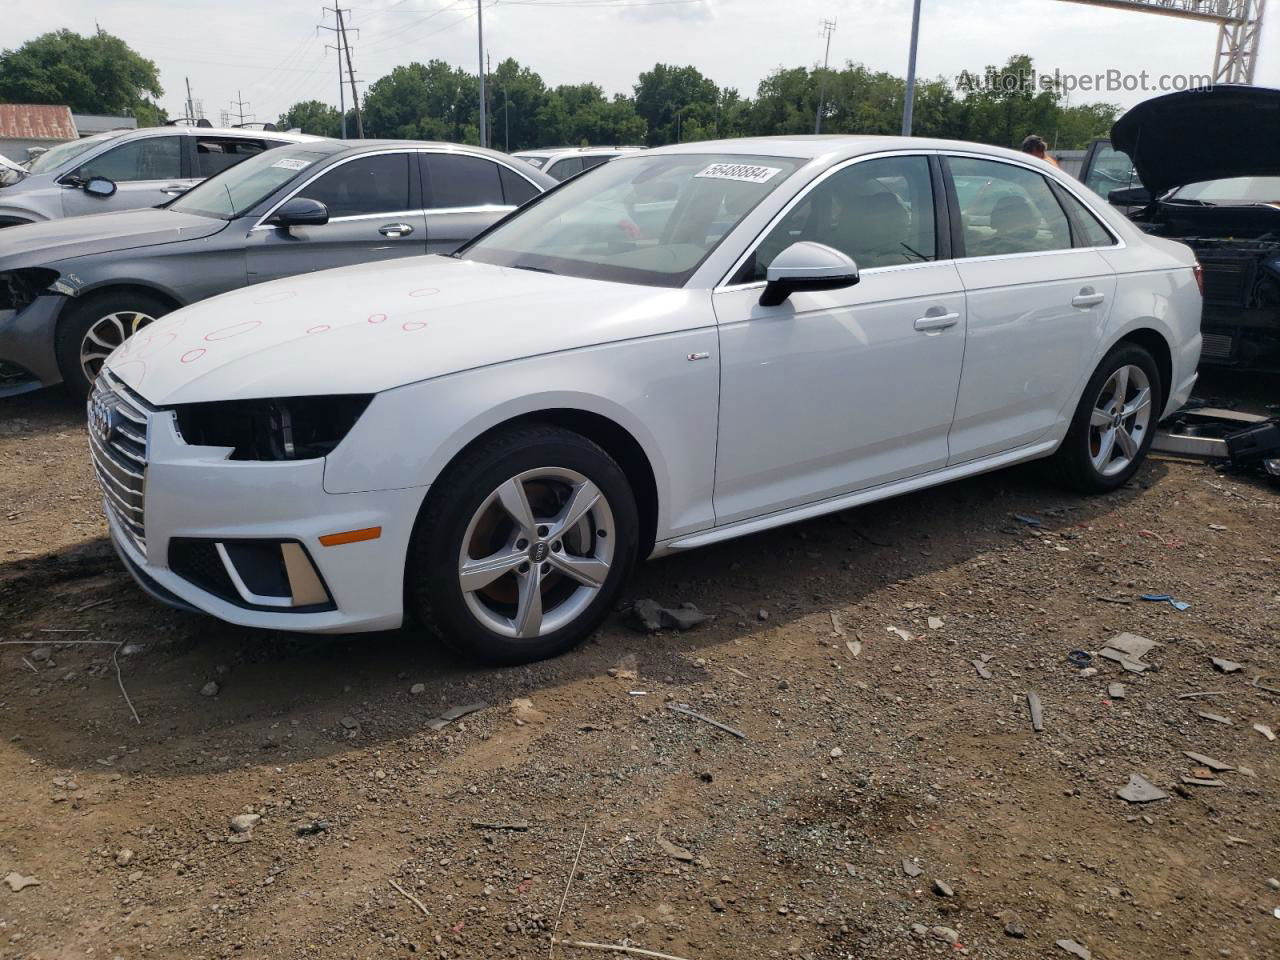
x: 381, y: 836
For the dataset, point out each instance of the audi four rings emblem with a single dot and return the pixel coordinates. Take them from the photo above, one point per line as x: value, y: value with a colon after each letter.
x: 100, y: 419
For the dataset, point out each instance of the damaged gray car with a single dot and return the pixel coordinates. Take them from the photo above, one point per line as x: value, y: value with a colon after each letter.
x: 72, y: 290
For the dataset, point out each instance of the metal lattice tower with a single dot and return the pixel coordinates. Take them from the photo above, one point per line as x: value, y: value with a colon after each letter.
x: 1239, y: 29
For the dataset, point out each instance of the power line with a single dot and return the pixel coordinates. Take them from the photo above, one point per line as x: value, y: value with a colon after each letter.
x: 237, y: 107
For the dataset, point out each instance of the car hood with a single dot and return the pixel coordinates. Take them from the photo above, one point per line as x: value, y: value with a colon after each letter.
x: 1203, y: 134
x: 37, y: 244
x: 371, y: 327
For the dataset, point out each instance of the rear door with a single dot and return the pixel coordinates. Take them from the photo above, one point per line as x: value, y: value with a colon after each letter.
x: 375, y: 213
x: 147, y: 171
x: 465, y: 194
x: 1037, y: 297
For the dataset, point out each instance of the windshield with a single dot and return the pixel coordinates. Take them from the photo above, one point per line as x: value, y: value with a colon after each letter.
x: 239, y: 189
x: 1233, y: 190
x: 649, y: 220
x: 55, y: 157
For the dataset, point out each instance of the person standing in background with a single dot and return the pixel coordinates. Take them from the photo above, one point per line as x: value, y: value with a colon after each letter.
x: 1035, y: 145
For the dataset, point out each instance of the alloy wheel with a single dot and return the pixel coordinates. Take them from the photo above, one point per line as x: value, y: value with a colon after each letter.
x: 105, y: 334
x: 1120, y: 420
x: 536, y: 552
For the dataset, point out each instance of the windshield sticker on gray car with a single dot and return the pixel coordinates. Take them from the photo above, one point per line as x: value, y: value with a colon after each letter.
x: 746, y: 172
x: 288, y: 163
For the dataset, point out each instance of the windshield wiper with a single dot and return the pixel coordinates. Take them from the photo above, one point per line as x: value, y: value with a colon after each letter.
x: 526, y: 266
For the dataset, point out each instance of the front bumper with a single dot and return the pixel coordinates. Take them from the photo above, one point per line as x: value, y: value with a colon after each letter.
x: 195, y: 492
x: 27, y: 352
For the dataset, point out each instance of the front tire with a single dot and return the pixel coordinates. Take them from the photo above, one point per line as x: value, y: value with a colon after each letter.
x: 89, y: 331
x: 523, y: 546
x: 1114, y: 423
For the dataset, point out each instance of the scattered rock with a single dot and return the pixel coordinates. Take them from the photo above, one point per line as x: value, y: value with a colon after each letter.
x: 651, y: 616
x: 904, y: 634
x: 124, y: 857
x: 1266, y: 731
x: 936, y: 623
x: 1273, y: 883
x: 1140, y: 790
x: 245, y: 822
x: 1037, y: 712
x: 417, y: 689
x: 673, y: 851
x: 910, y: 868
x: 836, y: 753
x: 1225, y: 666
x: 41, y: 654
x: 945, y: 934
x: 1215, y: 765
x: 455, y: 713
x: 1215, y: 717
x: 1115, y: 691
x: 716, y: 904
x: 310, y: 828
x: 1075, y: 949
x: 523, y: 710
x: 981, y: 667
x: 210, y: 689
x: 1203, y: 782
x: 762, y: 614
x: 1015, y: 930
x: 943, y: 889
x: 17, y: 882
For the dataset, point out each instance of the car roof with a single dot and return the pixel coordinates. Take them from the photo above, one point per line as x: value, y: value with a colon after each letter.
x: 574, y: 151
x: 233, y: 132
x: 833, y: 147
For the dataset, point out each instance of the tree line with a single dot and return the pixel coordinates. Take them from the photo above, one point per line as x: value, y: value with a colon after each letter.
x: 100, y: 73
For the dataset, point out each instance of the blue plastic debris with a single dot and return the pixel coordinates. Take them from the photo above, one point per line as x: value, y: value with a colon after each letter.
x: 1028, y: 520
x: 1165, y: 598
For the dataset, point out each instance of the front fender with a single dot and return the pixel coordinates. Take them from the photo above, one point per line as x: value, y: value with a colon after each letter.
x: 410, y: 434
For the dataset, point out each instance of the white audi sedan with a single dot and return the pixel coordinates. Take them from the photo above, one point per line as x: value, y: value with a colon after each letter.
x: 692, y: 344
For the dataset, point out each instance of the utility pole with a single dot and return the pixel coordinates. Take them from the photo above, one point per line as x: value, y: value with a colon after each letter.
x: 191, y: 111
x: 351, y: 75
x: 342, y: 103
x: 908, y: 103
x: 828, y: 28
x: 506, y: 122
x: 238, y: 108
x: 484, y: 137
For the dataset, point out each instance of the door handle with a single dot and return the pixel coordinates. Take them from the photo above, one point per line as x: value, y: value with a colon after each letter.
x: 174, y: 189
x: 1087, y: 298
x: 396, y: 229
x: 936, y: 322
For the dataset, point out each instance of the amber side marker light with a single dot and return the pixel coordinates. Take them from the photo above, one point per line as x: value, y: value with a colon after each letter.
x: 350, y: 536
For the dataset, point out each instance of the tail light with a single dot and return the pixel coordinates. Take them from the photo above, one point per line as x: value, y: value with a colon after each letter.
x: 1199, y: 275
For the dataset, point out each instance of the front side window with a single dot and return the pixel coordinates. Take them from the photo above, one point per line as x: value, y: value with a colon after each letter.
x: 215, y: 154
x: 240, y: 189
x: 648, y: 219
x: 151, y: 158
x: 1089, y: 229
x: 1006, y: 209
x: 566, y: 168
x: 458, y: 180
x: 878, y: 212
x: 365, y: 185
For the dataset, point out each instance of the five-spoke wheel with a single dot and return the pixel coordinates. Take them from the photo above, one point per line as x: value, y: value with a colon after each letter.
x: 1120, y: 420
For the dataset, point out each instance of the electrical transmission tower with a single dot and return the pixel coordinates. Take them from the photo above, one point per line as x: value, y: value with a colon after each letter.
x: 344, y: 49
x: 1239, y: 29
x: 828, y: 28
x: 237, y: 108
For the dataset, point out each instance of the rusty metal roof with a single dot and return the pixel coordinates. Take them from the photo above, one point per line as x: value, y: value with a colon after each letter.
x: 27, y: 121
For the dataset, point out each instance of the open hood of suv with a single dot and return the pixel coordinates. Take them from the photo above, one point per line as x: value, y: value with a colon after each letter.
x: 1203, y: 134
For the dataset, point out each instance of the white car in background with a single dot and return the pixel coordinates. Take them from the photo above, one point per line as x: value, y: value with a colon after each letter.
x: 488, y: 441
x: 565, y: 162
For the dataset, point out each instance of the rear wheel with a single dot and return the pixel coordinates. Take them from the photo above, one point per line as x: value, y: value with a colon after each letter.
x: 523, y: 546
x: 1114, y: 423
x: 88, y: 332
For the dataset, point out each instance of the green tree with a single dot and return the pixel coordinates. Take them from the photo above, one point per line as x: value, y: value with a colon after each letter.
x: 314, y: 117
x: 677, y: 104
x: 431, y: 102
x: 516, y: 96
x: 94, y: 74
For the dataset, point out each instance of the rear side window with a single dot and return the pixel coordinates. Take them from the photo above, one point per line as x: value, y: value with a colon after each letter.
x: 566, y: 168
x: 215, y: 154
x: 1007, y: 209
x: 457, y: 180
x: 366, y: 185
x: 1089, y: 229
x: 515, y: 188
x: 589, y: 162
x: 151, y: 158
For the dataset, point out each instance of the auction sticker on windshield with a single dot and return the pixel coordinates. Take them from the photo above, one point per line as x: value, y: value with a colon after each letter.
x: 288, y: 163
x: 746, y: 172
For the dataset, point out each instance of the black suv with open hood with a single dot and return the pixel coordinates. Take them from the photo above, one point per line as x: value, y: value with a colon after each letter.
x: 1208, y: 162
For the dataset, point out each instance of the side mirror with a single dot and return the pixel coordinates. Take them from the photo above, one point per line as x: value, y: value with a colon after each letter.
x: 300, y: 212
x: 100, y: 187
x: 1129, y: 197
x: 807, y: 266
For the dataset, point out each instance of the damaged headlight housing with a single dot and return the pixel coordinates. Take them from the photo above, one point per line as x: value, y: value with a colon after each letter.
x: 284, y: 428
x: 19, y: 288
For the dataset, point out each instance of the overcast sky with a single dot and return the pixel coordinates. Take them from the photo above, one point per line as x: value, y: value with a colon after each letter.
x: 268, y: 51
